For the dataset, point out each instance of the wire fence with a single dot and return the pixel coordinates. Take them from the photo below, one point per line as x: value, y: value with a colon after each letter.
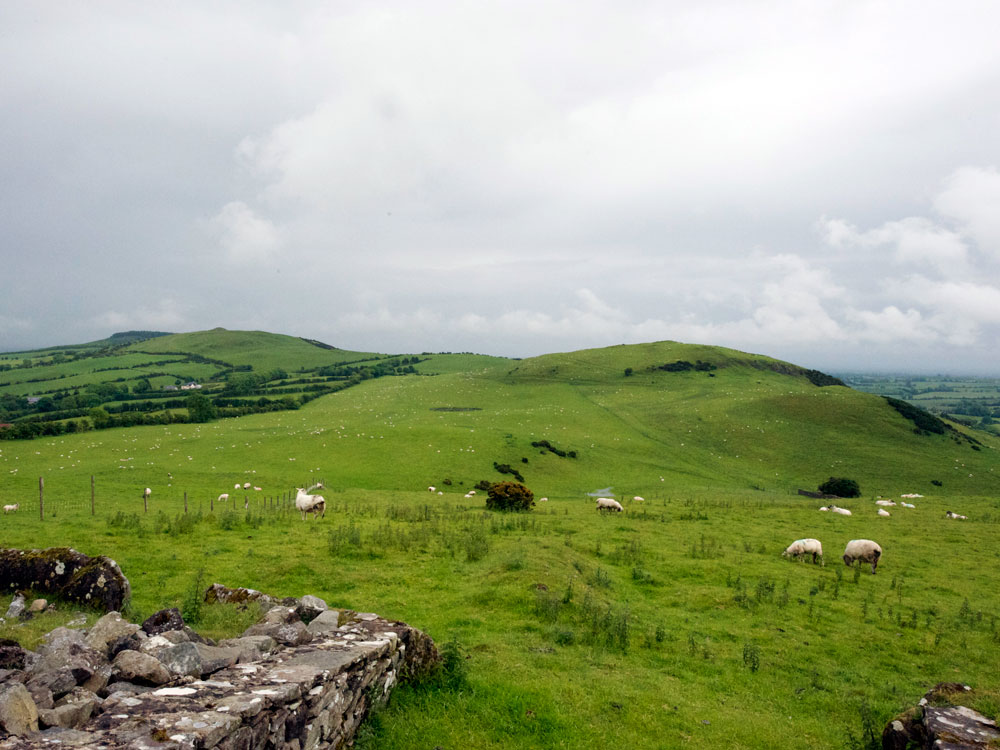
x: 61, y: 503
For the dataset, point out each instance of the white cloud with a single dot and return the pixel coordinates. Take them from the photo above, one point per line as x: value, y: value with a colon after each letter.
x: 971, y: 196
x: 916, y: 240
x: 243, y: 235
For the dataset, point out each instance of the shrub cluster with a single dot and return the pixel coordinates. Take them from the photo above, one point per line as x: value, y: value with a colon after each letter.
x: 841, y: 487
x: 545, y: 445
x: 682, y: 365
x: 508, y: 469
x: 509, y: 496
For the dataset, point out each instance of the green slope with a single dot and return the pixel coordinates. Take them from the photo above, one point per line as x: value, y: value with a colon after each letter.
x: 259, y: 349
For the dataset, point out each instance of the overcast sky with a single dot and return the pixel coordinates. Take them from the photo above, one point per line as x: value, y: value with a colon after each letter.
x: 817, y: 181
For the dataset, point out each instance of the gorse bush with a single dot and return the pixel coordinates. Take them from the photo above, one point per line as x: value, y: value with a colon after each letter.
x: 509, y: 496
x: 841, y: 487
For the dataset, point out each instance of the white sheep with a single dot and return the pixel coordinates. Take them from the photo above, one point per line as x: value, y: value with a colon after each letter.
x: 432, y: 488
x: 237, y: 486
x: 606, y: 503
x: 864, y: 550
x: 472, y: 492
x: 883, y: 512
x: 306, y: 503
x: 146, y: 493
x: 886, y: 503
x: 908, y: 505
x: 223, y: 497
x: 958, y: 516
x: 467, y: 495
x: 638, y: 499
x: 824, y: 508
x: 11, y: 508
x: 841, y: 511
x: 257, y: 489
x: 801, y: 547
x: 543, y: 499
x: 247, y: 485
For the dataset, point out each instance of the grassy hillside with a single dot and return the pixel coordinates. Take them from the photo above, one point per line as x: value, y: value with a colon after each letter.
x: 674, y: 623
x: 261, y: 350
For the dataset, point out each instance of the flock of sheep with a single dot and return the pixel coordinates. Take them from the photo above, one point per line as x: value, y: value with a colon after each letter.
x: 863, y: 550
x: 857, y: 550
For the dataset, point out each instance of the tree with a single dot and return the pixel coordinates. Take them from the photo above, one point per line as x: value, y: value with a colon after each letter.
x: 200, y: 408
x: 841, y: 487
x: 100, y: 417
x: 509, y: 496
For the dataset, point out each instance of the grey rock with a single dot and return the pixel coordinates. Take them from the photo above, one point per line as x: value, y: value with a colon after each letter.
x: 142, y: 669
x: 288, y: 634
x: 214, y: 658
x: 57, y: 681
x: 16, y: 608
x: 326, y: 622
x: 181, y: 659
x: 251, y: 647
x: 108, y: 629
x: 954, y: 727
x: 163, y: 621
x: 18, y: 713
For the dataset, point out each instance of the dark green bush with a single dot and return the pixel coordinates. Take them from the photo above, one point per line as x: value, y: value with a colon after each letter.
x: 841, y: 487
x: 509, y: 496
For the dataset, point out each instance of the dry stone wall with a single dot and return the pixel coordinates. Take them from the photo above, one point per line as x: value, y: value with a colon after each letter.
x: 289, y: 682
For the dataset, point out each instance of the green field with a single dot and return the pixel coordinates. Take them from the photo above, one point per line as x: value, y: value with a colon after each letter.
x: 675, y: 623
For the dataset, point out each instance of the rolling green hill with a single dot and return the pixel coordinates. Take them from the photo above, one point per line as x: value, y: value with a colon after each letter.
x: 674, y: 623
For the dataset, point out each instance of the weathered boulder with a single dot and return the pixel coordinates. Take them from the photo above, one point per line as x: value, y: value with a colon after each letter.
x: 71, y: 711
x: 12, y: 656
x: 107, y: 630
x: 162, y: 621
x: 244, y: 597
x: 18, y: 713
x: 16, y: 608
x: 139, y: 668
x: 38, y: 605
x: 250, y: 647
x: 309, y: 607
x: 943, y: 727
x: 71, y: 575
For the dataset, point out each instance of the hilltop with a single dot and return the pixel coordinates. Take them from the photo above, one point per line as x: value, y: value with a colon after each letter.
x: 700, y: 415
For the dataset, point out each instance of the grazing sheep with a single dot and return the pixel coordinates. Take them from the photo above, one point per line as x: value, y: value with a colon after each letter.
x: 864, y: 550
x: 467, y: 495
x: 958, y: 516
x: 146, y: 493
x: 247, y: 485
x: 306, y: 503
x: 11, y: 508
x: 886, y: 503
x: 801, y: 547
x: 432, y: 488
x: 908, y: 505
x: 841, y: 511
x: 237, y: 486
x: 824, y: 508
x: 638, y: 499
x: 543, y: 499
x: 223, y: 497
x: 883, y: 512
x: 472, y: 492
x: 440, y: 492
x: 606, y: 503
x: 257, y: 489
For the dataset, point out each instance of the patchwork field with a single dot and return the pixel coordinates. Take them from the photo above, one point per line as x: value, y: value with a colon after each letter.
x: 674, y: 623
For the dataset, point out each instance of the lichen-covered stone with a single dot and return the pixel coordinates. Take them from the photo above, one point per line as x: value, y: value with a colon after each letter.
x: 313, y: 695
x: 162, y: 621
x: 107, y: 630
x: 18, y: 713
x: 71, y: 575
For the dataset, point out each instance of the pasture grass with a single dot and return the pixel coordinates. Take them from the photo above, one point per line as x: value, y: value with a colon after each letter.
x: 676, y: 622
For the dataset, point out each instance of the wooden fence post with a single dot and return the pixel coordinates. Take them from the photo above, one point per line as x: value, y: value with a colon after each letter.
x: 211, y: 505
x: 185, y: 502
x: 91, y: 494
x: 41, y: 499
